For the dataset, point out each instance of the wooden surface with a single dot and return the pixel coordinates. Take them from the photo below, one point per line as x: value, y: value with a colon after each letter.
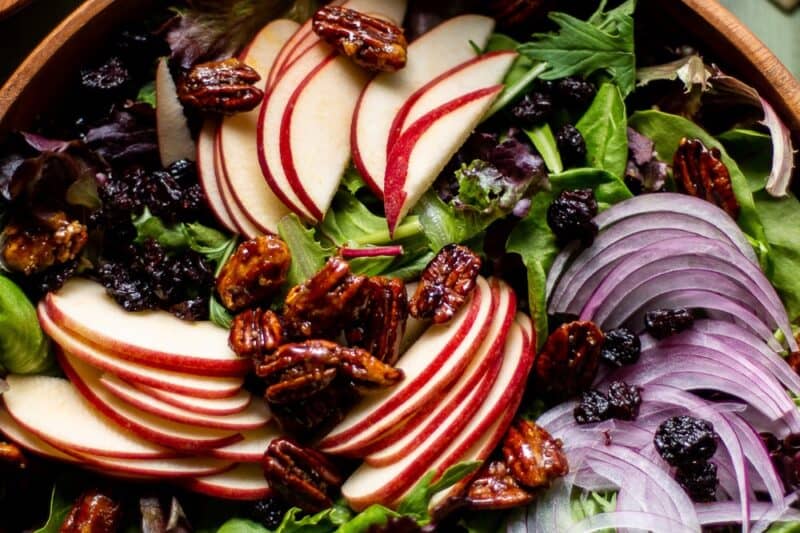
x: 9, y: 7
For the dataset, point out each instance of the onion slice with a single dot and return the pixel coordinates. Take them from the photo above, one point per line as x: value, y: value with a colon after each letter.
x: 637, y: 520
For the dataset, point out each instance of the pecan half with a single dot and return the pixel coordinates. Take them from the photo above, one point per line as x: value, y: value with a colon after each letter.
x: 322, y: 306
x: 700, y: 172
x: 304, y: 419
x: 495, y: 488
x: 93, y: 512
x: 224, y: 87
x: 256, y: 333
x: 302, y: 476
x: 255, y: 272
x: 372, y: 43
x: 533, y: 456
x: 569, y: 360
x: 380, y: 321
x: 446, y: 284
x: 55, y: 240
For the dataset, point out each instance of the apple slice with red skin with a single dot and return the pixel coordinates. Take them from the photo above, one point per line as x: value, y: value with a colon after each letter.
x: 207, y: 175
x: 255, y: 416
x: 431, y: 364
x: 474, y: 384
x: 252, y: 446
x: 200, y: 386
x: 244, y: 226
x: 237, y: 149
x: 243, y: 482
x: 176, y: 435
x: 30, y: 442
x: 477, y: 73
x: 424, y: 149
x: 53, y: 410
x: 385, y: 485
x: 204, y: 406
x: 174, y: 138
x: 154, y: 338
x: 161, y: 469
x: 435, y: 52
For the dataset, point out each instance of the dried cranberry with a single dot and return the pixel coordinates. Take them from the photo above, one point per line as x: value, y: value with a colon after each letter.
x: 624, y: 400
x: 592, y: 407
x: 183, y: 171
x: 571, y: 215
x: 132, y: 293
x: 574, y: 92
x: 269, y: 512
x: 699, y: 480
x: 571, y: 145
x: 682, y: 440
x: 621, y: 347
x: 533, y: 109
x: 109, y: 78
x: 661, y: 323
x: 51, y: 279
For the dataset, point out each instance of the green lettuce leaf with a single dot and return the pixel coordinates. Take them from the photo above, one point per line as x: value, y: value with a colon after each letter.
x: 752, y: 150
x: 308, y: 254
x: 520, y: 76
x: 24, y: 348
x: 147, y: 94
x: 545, y: 142
x: 604, y: 127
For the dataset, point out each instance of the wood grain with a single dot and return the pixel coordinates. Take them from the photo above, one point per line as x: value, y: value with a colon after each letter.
x: 9, y: 7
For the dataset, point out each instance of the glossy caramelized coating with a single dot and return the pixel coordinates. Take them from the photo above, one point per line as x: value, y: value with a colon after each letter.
x: 254, y: 273
x: 700, y: 172
x: 495, y: 488
x: 55, y: 240
x: 225, y: 87
x: 569, y: 360
x: 533, y: 456
x: 380, y: 321
x: 93, y: 513
x: 256, y: 333
x: 446, y: 284
x: 11, y: 457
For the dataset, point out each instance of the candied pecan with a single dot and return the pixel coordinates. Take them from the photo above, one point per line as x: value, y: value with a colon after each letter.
x: 700, y: 172
x: 300, y: 370
x: 533, y: 456
x: 32, y: 249
x: 255, y: 333
x: 794, y: 361
x: 321, y: 306
x: 224, y: 87
x: 446, y: 284
x: 93, y: 513
x: 12, y: 457
x: 569, y: 360
x: 312, y: 416
x: 255, y: 271
x: 302, y: 476
x: 372, y: 43
x: 495, y: 488
x: 380, y: 321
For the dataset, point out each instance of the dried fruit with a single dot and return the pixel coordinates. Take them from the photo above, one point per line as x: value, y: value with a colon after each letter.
x: 302, y: 476
x: 534, y: 108
x: 593, y: 407
x: 109, y: 78
x: 255, y: 272
x: 569, y: 359
x: 269, y: 513
x: 495, y: 488
x: 372, y: 43
x: 571, y: 145
x: 682, y: 440
x: 515, y: 13
x: 380, y: 321
x: 36, y: 247
x: 624, y: 400
x: 662, y: 323
x: 533, y: 456
x: 93, y: 512
x: 224, y: 87
x: 256, y: 334
x: 573, y: 91
x: 621, y: 347
x: 699, y: 480
x: 571, y: 215
x: 700, y: 172
x: 446, y: 284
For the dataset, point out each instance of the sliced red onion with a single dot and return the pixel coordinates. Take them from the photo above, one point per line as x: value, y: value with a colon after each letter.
x: 637, y: 520
x: 722, y: 513
x: 780, y: 175
x: 663, y: 203
x: 758, y: 456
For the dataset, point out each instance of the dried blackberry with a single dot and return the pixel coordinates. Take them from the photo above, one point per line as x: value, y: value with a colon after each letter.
x: 573, y: 92
x: 532, y: 109
x: 624, y: 400
x: 108, y: 79
x: 661, y: 323
x: 621, y: 347
x: 682, y: 440
x: 571, y: 145
x: 592, y: 407
x: 699, y: 480
x: 191, y: 310
x: 571, y: 215
x: 269, y: 512
x: 129, y: 291
x: 183, y: 171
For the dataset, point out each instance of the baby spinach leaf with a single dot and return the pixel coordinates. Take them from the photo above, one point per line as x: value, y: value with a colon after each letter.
x: 752, y: 150
x: 604, y: 128
x: 24, y: 349
x: 241, y: 525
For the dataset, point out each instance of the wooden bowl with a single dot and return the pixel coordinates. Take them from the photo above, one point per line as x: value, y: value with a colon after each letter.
x: 9, y: 7
x: 39, y: 81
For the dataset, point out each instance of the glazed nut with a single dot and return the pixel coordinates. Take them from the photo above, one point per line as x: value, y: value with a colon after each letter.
x: 302, y: 476
x: 534, y: 458
x: 446, y: 284
x: 12, y: 457
x: 225, y: 87
x: 93, y: 512
x: 256, y: 334
x: 36, y: 248
x: 700, y: 172
x: 494, y: 488
x: 569, y: 360
x: 372, y: 43
x: 380, y: 322
x: 255, y: 272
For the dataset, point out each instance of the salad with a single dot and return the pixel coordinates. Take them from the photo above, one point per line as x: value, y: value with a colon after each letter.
x: 378, y: 266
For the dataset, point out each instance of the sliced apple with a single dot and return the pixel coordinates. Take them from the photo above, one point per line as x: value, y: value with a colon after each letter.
x: 386, y: 484
x: 430, y: 365
x: 174, y: 138
x: 251, y: 448
x: 437, y: 51
x: 477, y: 73
x: 238, y: 133
x: 243, y: 482
x: 424, y: 149
x: 176, y: 435
x: 206, y: 406
x: 255, y: 416
x: 29, y: 441
x: 465, y: 396
x: 167, y: 380
x: 244, y: 225
x: 155, y: 338
x: 207, y: 175
x: 303, y: 34
x: 53, y: 410
x: 172, y: 468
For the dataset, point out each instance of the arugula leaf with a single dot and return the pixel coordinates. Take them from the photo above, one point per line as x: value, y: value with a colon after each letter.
x: 604, y: 128
x: 308, y: 255
x: 604, y: 43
